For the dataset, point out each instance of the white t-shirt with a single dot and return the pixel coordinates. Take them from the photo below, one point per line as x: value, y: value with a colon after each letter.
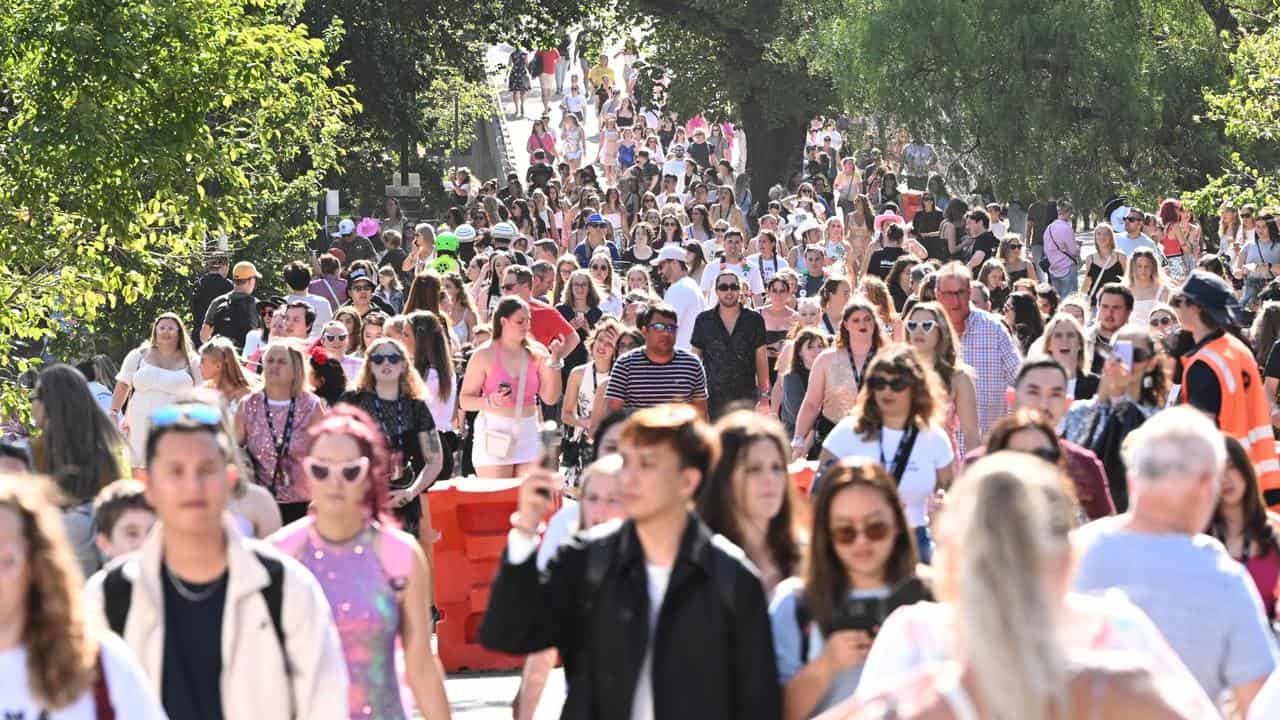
x: 131, y: 694
x: 685, y: 296
x: 642, y: 703
x: 575, y: 103
x: 675, y: 197
x: 932, y: 452
x: 441, y: 412
x: 1127, y: 245
x: 744, y: 270
x: 560, y: 527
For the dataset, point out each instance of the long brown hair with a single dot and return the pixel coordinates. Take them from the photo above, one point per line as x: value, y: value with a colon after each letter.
x: 79, y: 441
x: 926, y: 391
x: 1257, y: 528
x: 431, y: 349
x: 424, y: 293
x: 946, y: 355
x: 717, y: 498
x: 826, y: 581
x: 61, y: 656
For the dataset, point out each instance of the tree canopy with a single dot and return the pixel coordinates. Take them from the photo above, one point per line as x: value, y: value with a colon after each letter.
x: 133, y: 132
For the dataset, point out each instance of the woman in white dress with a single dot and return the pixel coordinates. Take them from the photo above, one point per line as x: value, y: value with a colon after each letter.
x: 158, y: 372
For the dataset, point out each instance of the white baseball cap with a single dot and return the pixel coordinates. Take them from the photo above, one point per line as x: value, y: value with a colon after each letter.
x: 670, y: 252
x: 345, y: 228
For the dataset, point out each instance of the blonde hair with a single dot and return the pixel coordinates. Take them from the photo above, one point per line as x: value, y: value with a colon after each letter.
x: 61, y: 655
x: 230, y: 372
x: 411, y: 385
x: 1004, y: 532
x: 1065, y: 319
x: 299, y: 364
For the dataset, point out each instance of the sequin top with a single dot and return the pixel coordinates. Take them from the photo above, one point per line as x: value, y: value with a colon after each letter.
x: 261, y: 439
x: 362, y: 578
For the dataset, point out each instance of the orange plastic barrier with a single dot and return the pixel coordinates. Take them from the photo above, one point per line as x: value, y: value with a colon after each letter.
x: 912, y: 202
x: 802, y: 473
x: 472, y: 516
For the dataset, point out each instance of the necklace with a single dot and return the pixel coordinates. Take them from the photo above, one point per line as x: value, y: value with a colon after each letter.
x: 185, y: 590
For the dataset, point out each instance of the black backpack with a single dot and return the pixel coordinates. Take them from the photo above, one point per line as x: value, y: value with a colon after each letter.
x: 117, y: 596
x: 233, y: 320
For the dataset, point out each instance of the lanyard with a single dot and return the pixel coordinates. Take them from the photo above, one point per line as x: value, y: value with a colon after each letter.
x: 853, y: 367
x: 285, y: 437
x: 902, y: 455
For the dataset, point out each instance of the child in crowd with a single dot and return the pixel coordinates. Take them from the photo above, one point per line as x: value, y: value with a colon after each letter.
x: 123, y: 517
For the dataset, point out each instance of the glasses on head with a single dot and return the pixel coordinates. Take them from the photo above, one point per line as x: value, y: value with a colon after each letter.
x: 321, y: 471
x: 196, y: 414
x: 664, y: 327
x: 727, y: 287
x: 12, y: 558
x: 874, y: 531
x: 380, y: 358
x: 1161, y: 321
x: 335, y: 338
x: 880, y: 382
x: 924, y: 326
x: 1049, y: 454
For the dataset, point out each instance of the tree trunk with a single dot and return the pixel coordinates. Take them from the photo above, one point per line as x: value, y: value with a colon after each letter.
x: 773, y: 153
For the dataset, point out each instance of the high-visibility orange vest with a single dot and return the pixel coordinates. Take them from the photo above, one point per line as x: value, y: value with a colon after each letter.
x: 1245, y: 413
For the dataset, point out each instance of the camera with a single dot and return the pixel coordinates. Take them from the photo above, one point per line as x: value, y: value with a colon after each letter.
x: 868, y: 614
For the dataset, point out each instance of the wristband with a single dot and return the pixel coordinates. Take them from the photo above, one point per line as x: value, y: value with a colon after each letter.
x: 515, y: 523
x: 797, y: 441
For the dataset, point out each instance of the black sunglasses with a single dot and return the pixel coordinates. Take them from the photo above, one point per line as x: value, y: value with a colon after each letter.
x: 379, y: 358
x: 897, y: 384
x: 725, y: 287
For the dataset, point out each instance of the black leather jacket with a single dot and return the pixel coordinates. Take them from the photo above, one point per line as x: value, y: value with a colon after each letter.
x: 712, y: 651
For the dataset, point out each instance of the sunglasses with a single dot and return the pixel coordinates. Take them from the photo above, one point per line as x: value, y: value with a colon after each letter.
x: 875, y: 531
x: 508, y: 287
x: 379, y: 358
x: 1015, y: 246
x: 726, y: 287
x: 597, y: 225
x: 1178, y: 301
x: 720, y: 231
x: 322, y: 471
x: 1161, y: 321
x: 362, y: 287
x: 780, y: 290
x: 335, y: 338
x: 670, y: 224
x: 1133, y: 219
x: 879, y: 382
x: 197, y: 414
x: 924, y: 326
x: 664, y: 327
x: 599, y: 266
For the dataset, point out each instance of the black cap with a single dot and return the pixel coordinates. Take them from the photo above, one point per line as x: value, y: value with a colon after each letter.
x: 1212, y: 294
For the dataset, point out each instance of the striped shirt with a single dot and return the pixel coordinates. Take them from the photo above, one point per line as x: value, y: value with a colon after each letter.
x: 640, y: 383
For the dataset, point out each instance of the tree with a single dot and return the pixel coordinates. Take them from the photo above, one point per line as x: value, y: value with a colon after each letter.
x: 729, y: 59
x: 1052, y: 96
x: 131, y: 133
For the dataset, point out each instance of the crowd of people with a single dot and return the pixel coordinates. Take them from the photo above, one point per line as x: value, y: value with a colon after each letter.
x: 1040, y: 480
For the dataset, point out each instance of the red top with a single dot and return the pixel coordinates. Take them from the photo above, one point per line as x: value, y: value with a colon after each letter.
x: 546, y: 323
x: 1265, y: 571
x: 549, y: 60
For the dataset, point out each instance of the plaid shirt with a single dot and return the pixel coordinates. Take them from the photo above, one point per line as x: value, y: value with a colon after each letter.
x: 987, y: 347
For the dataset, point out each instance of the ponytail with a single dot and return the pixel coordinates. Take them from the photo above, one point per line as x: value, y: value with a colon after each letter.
x: 1008, y: 532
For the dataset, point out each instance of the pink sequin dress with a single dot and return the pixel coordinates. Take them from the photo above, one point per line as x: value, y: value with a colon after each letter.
x: 362, y: 578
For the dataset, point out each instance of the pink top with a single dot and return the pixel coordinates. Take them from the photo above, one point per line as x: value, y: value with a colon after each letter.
x: 363, y: 579
x: 1265, y: 571
x: 261, y: 439
x: 498, y: 375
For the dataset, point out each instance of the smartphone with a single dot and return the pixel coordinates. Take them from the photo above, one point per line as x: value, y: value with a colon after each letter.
x: 1122, y: 351
x: 505, y: 387
x: 549, y: 436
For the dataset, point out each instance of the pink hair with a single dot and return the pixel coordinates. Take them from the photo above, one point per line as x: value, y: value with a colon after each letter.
x: 356, y: 424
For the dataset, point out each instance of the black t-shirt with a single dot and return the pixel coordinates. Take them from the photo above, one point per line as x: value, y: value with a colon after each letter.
x: 881, y: 261
x: 986, y: 244
x: 700, y: 152
x: 192, y: 670
x: 812, y: 284
x: 1037, y: 216
x: 400, y: 421
x: 1272, y: 369
x: 928, y: 221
